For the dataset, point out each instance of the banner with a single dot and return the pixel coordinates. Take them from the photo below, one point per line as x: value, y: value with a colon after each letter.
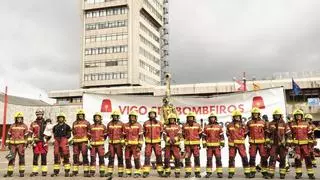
x: 267, y: 100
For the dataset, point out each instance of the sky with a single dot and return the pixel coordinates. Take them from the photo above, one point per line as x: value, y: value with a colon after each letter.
x: 211, y: 40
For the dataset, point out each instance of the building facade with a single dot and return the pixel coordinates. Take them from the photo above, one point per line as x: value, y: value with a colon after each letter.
x: 121, y: 42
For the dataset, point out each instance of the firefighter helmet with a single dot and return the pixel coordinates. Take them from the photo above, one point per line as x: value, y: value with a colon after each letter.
x: 153, y: 110
x: 191, y: 114
x: 172, y: 116
x: 61, y: 114
x: 308, y: 116
x: 133, y: 113
x: 18, y: 115
x: 236, y: 113
x: 80, y: 112
x: 116, y: 113
x: 39, y: 112
x: 97, y: 114
x: 277, y: 112
x: 212, y: 114
x: 297, y: 112
x: 255, y: 110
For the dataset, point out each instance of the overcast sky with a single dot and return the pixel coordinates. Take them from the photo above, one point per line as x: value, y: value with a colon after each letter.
x: 211, y: 40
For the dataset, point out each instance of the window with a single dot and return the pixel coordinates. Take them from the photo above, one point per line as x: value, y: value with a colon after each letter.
x: 105, y: 25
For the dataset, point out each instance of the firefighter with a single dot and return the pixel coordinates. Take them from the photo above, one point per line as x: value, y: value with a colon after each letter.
x: 257, y: 129
x: 80, y: 128
x: 116, y: 143
x: 172, y: 137
x: 213, y: 141
x: 236, y: 133
x: 133, y: 135
x: 62, y: 136
x: 279, y: 134
x: 152, y: 130
x: 301, y: 132
x: 17, y: 139
x: 312, y: 140
x: 192, y: 132
x: 97, y: 137
x: 40, y: 143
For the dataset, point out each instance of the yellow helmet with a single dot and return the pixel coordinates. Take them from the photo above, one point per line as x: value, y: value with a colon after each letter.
x: 153, y: 110
x: 18, y: 115
x: 212, y: 114
x: 97, y: 114
x: 277, y: 112
x: 61, y: 114
x: 255, y: 110
x: 308, y: 116
x: 116, y: 113
x: 172, y: 116
x: 80, y: 111
x: 133, y: 113
x: 191, y: 114
x: 298, y: 111
x: 236, y: 113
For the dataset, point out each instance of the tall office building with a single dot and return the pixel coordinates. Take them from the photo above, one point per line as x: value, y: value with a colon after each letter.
x: 121, y: 42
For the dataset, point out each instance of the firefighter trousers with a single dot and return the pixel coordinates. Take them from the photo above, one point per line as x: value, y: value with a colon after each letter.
x: 241, y: 149
x: 156, y: 147
x: 80, y: 148
x: 195, y: 151
x: 61, y: 151
x: 132, y: 151
x: 115, y: 149
x: 40, y: 149
x: 253, y: 149
x: 214, y: 151
x: 169, y: 152
x: 20, y: 150
x: 302, y: 152
x: 276, y: 151
x: 98, y: 149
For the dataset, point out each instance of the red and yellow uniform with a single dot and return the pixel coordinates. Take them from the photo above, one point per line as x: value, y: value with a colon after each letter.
x: 116, y: 143
x: 17, y: 139
x: 80, y: 130
x: 133, y: 135
x: 213, y: 140
x: 97, y: 136
x: 152, y: 133
x: 191, y: 132
x: 312, y: 140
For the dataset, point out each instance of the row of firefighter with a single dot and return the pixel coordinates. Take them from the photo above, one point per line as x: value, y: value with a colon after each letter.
x: 178, y: 142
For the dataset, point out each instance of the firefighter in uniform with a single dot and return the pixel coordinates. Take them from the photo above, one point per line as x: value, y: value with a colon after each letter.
x: 40, y: 143
x: 172, y: 137
x: 312, y: 140
x: 279, y: 134
x: 213, y: 141
x: 192, y: 132
x: 133, y: 135
x: 17, y: 139
x: 62, y: 136
x: 80, y: 130
x: 97, y: 136
x: 301, y: 132
x: 257, y: 129
x: 116, y: 143
x: 236, y: 133
x: 152, y: 130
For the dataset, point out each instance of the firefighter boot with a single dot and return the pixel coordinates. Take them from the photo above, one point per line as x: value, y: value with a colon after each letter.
x: 9, y: 174
x: 44, y: 174
x: 108, y: 174
x: 247, y: 175
x: 271, y: 176
x: 136, y: 175
x: 33, y: 174
x: 92, y: 173
x: 74, y: 173
x: 220, y: 175
x: 298, y: 175
x: 208, y: 175
x: 230, y: 175
x: 21, y: 174
x: 120, y: 174
x: 177, y: 175
x: 66, y: 174
x: 282, y: 176
x: 311, y: 176
x: 86, y: 174
x: 252, y: 175
x: 145, y: 175
x: 188, y: 175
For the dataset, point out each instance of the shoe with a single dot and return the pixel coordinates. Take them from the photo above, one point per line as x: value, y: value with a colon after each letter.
x: 7, y: 175
x: 252, y: 175
x: 298, y: 176
x: 66, y: 174
x: 230, y: 175
x: 120, y: 174
x: 33, y: 174
x: 86, y: 174
x: 219, y: 175
x: 208, y: 175
x: 282, y: 176
x: 247, y: 175
x: 136, y: 175
x: 21, y: 175
x: 145, y: 175
x: 74, y: 173
x: 197, y: 175
x: 44, y: 174
x: 177, y: 175
x: 188, y: 175
x: 54, y: 175
x: 311, y: 176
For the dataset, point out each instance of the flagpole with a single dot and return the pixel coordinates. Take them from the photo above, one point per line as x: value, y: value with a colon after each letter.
x: 4, y: 124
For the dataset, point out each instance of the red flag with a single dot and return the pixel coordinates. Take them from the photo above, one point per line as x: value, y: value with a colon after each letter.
x: 240, y: 86
x: 106, y: 106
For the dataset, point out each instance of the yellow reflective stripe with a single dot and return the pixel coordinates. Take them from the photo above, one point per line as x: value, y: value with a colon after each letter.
x: 283, y: 171
x: 120, y: 169
x: 96, y: 143
x: 188, y: 169
x: 176, y: 143
x: 310, y: 171
x: 311, y: 141
x: 197, y: 142
x: 300, y: 126
x: 44, y: 168
x: 247, y: 170
x: 148, y: 140
x: 132, y: 127
x: 256, y: 125
x: 167, y: 170
x: 115, y: 127
x: 17, y: 142
x: 231, y: 144
x: 97, y: 129
x: 231, y: 170
x: 56, y: 166
x: 128, y: 171
x: 177, y: 170
x: 219, y: 169
x: 192, y: 127
x: 257, y: 141
x: 153, y: 125
x: 197, y: 169
x: 115, y: 141
x: 86, y: 168
x: 137, y: 171
x: 238, y: 141
x: 147, y: 169
x: 35, y: 168
x: 67, y: 166
x: 76, y: 168
x: 92, y: 168
x: 22, y: 168
x: 253, y: 169
x: 213, y: 144
x: 133, y: 142
x: 80, y: 125
x: 301, y: 142
x: 209, y: 170
x: 102, y: 168
x: 214, y: 129
x: 298, y: 170
x: 159, y: 168
x: 10, y: 168
x: 271, y: 171
x: 289, y: 141
x: 80, y: 140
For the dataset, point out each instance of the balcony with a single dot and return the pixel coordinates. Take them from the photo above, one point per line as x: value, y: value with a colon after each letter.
x: 97, y: 4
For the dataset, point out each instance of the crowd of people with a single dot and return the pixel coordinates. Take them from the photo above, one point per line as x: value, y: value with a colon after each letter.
x: 125, y: 141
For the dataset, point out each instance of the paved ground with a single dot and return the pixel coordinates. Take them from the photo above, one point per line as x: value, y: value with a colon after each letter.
x: 3, y: 166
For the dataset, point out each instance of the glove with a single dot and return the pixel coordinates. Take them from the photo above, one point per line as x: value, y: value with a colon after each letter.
x: 222, y: 144
x: 70, y: 141
x: 7, y: 143
x: 204, y: 145
x: 89, y: 145
x: 139, y: 147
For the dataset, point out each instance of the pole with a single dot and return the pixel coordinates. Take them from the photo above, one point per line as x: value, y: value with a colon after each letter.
x: 4, y: 124
x: 244, y: 82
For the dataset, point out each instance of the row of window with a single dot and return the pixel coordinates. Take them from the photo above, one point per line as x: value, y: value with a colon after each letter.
x: 96, y: 1
x: 105, y: 50
x: 106, y: 63
x: 106, y: 37
x: 149, y: 68
x: 105, y: 76
x: 149, y: 56
x: 149, y: 44
x: 158, y: 5
x: 150, y: 34
x: 149, y: 22
x: 106, y: 12
x: 148, y: 79
x: 153, y: 10
x: 105, y: 25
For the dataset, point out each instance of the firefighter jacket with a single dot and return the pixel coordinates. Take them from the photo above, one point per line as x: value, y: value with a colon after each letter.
x: 279, y: 133
x: 191, y: 133
x: 115, y: 132
x: 301, y: 132
x: 80, y: 130
x: 213, y: 135
x: 172, y: 134
x: 236, y: 133
x: 18, y: 133
x: 97, y: 134
x: 62, y: 130
x: 257, y: 131
x: 37, y: 129
x: 133, y: 133
x: 152, y: 130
